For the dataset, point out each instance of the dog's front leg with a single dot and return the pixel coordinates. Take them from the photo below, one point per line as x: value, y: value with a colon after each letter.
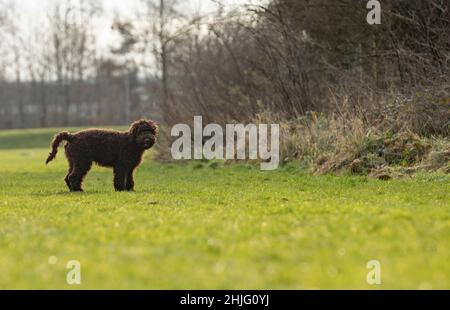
x: 130, y: 181
x: 119, y: 179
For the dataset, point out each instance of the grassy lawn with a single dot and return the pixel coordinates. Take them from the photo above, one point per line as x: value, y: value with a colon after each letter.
x: 203, y: 226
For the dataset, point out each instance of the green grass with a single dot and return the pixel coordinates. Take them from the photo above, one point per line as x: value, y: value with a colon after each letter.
x: 203, y: 226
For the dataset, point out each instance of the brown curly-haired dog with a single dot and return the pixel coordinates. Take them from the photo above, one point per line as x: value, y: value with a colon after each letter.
x: 121, y: 151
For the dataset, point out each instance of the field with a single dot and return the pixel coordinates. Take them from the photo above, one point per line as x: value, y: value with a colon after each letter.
x: 209, y: 226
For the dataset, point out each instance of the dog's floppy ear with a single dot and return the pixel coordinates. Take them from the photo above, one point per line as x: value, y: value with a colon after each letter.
x: 134, y: 130
x: 155, y: 126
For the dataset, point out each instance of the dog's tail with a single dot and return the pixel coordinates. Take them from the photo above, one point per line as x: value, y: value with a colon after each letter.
x: 59, y: 138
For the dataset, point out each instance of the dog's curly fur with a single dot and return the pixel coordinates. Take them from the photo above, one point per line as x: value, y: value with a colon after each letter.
x: 121, y: 151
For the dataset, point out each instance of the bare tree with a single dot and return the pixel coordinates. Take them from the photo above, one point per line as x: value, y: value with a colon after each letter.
x: 73, y: 46
x: 155, y: 33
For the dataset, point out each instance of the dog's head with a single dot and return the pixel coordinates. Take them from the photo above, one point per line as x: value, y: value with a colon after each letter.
x: 144, y: 133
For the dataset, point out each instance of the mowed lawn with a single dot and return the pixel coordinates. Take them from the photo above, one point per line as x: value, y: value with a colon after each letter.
x: 208, y: 226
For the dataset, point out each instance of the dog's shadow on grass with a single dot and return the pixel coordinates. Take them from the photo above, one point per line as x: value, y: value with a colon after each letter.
x: 67, y: 194
x: 85, y: 193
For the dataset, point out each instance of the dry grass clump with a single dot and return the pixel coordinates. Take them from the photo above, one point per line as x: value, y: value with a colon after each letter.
x: 338, y: 144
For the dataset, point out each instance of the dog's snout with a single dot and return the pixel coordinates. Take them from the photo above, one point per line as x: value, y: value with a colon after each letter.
x: 149, y: 141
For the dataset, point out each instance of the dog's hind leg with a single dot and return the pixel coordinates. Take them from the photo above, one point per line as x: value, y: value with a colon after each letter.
x: 80, y: 169
x: 68, y: 174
